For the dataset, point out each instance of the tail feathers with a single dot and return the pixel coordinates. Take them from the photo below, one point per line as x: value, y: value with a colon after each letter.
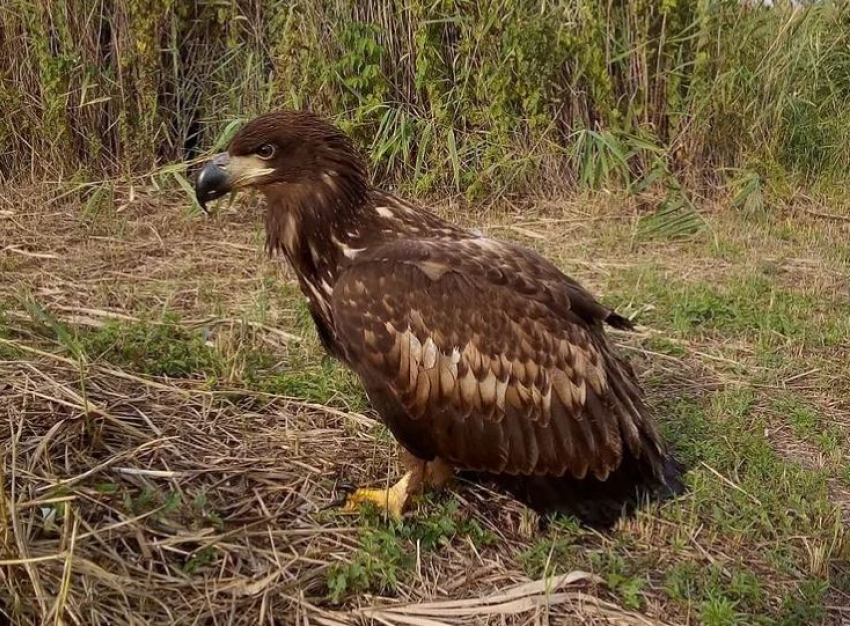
x: 672, y: 485
x: 599, y: 504
x: 615, y: 320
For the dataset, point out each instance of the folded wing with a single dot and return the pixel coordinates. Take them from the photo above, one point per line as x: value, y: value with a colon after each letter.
x: 486, y: 355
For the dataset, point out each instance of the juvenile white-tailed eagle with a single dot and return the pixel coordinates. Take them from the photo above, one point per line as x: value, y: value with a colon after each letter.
x: 479, y: 355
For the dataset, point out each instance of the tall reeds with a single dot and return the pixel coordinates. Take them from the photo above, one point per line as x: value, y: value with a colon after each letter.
x: 478, y: 97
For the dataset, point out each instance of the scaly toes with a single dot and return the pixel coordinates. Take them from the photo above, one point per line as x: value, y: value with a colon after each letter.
x: 392, y: 500
x: 384, y: 499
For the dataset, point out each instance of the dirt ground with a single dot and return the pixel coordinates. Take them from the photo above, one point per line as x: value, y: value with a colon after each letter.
x: 172, y: 438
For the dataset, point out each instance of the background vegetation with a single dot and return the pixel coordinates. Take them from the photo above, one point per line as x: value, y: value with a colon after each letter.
x: 476, y: 97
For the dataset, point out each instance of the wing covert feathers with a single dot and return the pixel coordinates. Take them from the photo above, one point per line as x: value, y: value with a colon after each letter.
x: 495, y: 362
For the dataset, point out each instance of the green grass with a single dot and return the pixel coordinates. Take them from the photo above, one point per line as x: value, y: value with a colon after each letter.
x: 810, y: 425
x: 168, y: 347
x: 385, y: 558
x: 748, y: 306
x: 326, y: 382
x: 768, y: 530
x: 163, y: 348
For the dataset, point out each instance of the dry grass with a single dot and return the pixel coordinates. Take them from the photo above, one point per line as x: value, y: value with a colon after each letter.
x: 134, y: 498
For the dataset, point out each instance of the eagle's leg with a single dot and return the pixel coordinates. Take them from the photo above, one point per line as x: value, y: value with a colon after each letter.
x: 420, y: 474
x: 436, y: 473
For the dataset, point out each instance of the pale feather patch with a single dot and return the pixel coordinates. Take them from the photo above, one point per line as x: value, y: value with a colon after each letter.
x: 524, y: 394
x: 369, y: 338
x: 486, y: 243
x: 584, y: 362
x: 429, y: 354
x: 487, y: 388
x: 351, y: 253
x: 329, y: 179
x: 423, y: 390
x: 415, y: 352
x: 384, y: 212
x: 472, y: 357
x: 531, y: 371
x: 563, y: 388
x: 246, y: 169
x: 580, y: 362
x: 404, y: 370
x: 469, y: 389
x: 579, y: 393
x: 432, y: 269
x: 518, y: 370
x: 319, y: 298
x: 347, y: 251
x: 252, y: 176
x: 448, y: 371
x: 290, y: 233
x: 501, y: 389
x: 547, y: 405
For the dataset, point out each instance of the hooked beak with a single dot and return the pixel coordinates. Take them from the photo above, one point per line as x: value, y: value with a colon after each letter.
x: 214, y: 180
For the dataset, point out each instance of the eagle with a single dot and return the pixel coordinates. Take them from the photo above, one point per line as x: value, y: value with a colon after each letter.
x: 480, y: 356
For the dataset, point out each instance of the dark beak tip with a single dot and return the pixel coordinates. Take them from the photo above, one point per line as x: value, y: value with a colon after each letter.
x: 212, y: 183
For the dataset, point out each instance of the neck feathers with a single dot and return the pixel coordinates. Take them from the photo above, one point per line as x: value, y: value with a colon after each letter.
x: 311, y: 225
x: 322, y: 225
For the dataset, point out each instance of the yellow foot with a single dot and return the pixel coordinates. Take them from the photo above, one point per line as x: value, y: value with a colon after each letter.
x: 391, y: 500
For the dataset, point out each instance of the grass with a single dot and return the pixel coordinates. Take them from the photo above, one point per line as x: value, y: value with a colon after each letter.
x: 385, y: 559
x: 162, y: 349
x: 743, y: 494
x: 749, y: 305
x: 173, y: 418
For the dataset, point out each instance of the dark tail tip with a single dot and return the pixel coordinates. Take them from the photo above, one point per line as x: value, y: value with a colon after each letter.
x: 672, y: 476
x: 615, y: 320
x: 600, y: 504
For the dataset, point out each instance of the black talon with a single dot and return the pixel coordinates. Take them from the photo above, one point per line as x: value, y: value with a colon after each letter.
x: 334, y: 504
x: 342, y: 487
x: 345, y: 487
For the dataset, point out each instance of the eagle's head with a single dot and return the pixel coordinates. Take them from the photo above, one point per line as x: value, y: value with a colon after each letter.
x: 284, y: 153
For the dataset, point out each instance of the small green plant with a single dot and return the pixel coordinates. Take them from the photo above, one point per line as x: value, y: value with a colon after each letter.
x: 378, y: 566
x: 749, y: 193
x: 622, y: 577
x: 809, y: 425
x: 385, y: 556
x: 326, y: 382
x: 720, y: 612
x: 143, y: 501
x: 199, y: 560
x: 556, y: 552
x: 676, y: 218
x: 806, y: 606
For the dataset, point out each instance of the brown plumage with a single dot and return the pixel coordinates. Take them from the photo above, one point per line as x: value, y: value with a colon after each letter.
x: 476, y: 353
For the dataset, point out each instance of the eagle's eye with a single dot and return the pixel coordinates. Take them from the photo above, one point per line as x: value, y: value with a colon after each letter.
x: 266, y: 151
